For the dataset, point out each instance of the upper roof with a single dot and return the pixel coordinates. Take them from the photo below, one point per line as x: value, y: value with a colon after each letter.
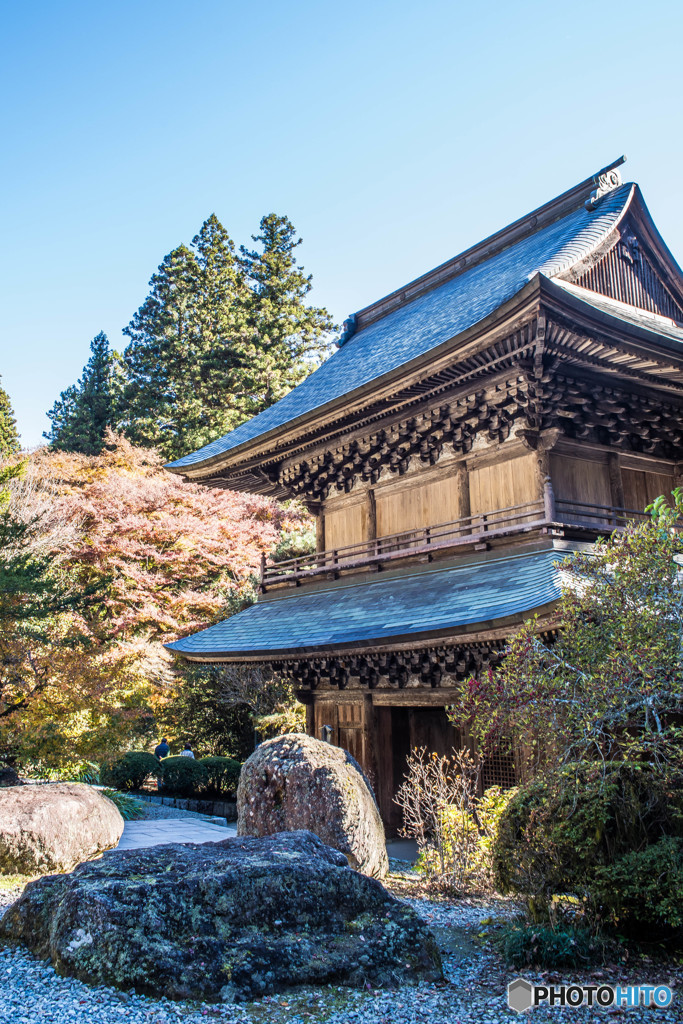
x: 449, y: 300
x: 414, y: 604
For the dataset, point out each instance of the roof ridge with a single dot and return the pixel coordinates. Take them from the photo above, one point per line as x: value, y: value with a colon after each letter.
x: 579, y: 195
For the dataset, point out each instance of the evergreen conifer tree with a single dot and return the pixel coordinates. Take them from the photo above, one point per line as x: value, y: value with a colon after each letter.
x: 83, y: 411
x: 288, y: 338
x: 9, y: 438
x: 219, y: 338
x: 185, y: 347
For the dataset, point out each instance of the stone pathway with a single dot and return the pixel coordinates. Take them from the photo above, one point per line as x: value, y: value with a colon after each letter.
x: 156, y: 832
x: 138, y: 834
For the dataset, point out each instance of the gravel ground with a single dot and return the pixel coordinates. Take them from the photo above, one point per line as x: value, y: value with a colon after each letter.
x: 473, y: 993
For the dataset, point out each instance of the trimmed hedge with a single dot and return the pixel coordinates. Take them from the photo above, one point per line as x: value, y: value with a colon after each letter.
x: 130, y: 771
x: 210, y: 777
x: 223, y: 775
x: 183, y: 776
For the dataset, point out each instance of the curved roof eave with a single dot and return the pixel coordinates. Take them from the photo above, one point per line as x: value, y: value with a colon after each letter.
x: 423, y: 326
x: 450, y: 601
x: 526, y: 295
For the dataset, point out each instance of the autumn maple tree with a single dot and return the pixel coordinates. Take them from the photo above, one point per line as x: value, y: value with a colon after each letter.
x: 158, y: 557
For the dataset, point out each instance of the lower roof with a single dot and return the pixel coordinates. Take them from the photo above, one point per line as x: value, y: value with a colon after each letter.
x: 421, y: 604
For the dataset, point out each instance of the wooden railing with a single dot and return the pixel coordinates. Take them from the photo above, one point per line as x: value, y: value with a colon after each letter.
x: 474, y: 530
x: 424, y: 541
x: 581, y: 513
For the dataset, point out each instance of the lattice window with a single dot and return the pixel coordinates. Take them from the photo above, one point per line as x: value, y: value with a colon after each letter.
x: 499, y: 769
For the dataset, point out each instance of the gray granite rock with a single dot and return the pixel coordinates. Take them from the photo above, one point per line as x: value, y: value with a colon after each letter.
x: 298, y: 782
x: 223, y: 921
x: 53, y: 827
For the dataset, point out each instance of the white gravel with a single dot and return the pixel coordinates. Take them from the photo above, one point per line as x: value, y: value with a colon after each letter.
x: 474, y: 992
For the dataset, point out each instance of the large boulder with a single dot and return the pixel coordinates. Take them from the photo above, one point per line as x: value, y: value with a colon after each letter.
x: 223, y: 921
x: 298, y: 782
x: 53, y: 827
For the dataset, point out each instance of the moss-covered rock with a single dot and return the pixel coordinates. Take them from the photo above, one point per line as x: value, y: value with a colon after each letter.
x: 53, y: 827
x: 231, y: 920
x: 298, y: 782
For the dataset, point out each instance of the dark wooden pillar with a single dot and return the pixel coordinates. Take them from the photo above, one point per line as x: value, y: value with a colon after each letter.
x: 320, y: 531
x: 616, y: 481
x: 372, y: 516
x: 462, y: 487
x: 384, y: 761
x: 546, y: 494
x: 369, y: 761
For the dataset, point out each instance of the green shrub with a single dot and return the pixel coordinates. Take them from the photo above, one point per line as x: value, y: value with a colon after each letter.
x: 130, y: 771
x: 294, y: 545
x: 129, y: 807
x: 525, y: 945
x: 183, y: 776
x: 223, y: 774
x: 644, y: 888
x: 590, y: 829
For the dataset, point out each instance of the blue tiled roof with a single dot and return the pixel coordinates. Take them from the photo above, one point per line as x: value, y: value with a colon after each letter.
x: 427, y: 602
x: 428, y: 321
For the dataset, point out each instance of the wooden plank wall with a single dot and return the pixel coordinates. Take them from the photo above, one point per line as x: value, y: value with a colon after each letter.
x: 641, y: 488
x: 409, y: 507
x: 350, y: 722
x: 581, y: 480
x: 346, y: 525
x: 504, y: 484
x: 347, y: 720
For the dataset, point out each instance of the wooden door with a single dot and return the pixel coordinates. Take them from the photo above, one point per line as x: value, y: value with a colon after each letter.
x: 350, y: 730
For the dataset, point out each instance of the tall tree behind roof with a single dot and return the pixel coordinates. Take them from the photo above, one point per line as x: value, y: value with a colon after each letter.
x: 82, y: 413
x: 287, y: 338
x: 9, y: 438
x: 219, y: 338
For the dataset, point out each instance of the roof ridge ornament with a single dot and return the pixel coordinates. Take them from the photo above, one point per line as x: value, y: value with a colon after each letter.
x: 348, y: 330
x: 607, y: 180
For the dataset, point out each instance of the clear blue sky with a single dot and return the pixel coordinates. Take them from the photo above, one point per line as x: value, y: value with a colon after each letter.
x: 392, y: 134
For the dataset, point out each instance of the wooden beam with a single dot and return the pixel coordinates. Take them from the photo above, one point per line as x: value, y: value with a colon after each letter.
x: 414, y: 697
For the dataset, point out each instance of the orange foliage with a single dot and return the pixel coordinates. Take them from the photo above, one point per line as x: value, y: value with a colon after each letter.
x: 171, y: 555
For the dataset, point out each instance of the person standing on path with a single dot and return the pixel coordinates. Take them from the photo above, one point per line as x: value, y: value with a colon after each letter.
x: 162, y: 750
x: 187, y: 752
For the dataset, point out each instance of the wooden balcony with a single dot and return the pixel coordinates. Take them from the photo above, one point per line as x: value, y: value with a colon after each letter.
x: 557, y: 518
